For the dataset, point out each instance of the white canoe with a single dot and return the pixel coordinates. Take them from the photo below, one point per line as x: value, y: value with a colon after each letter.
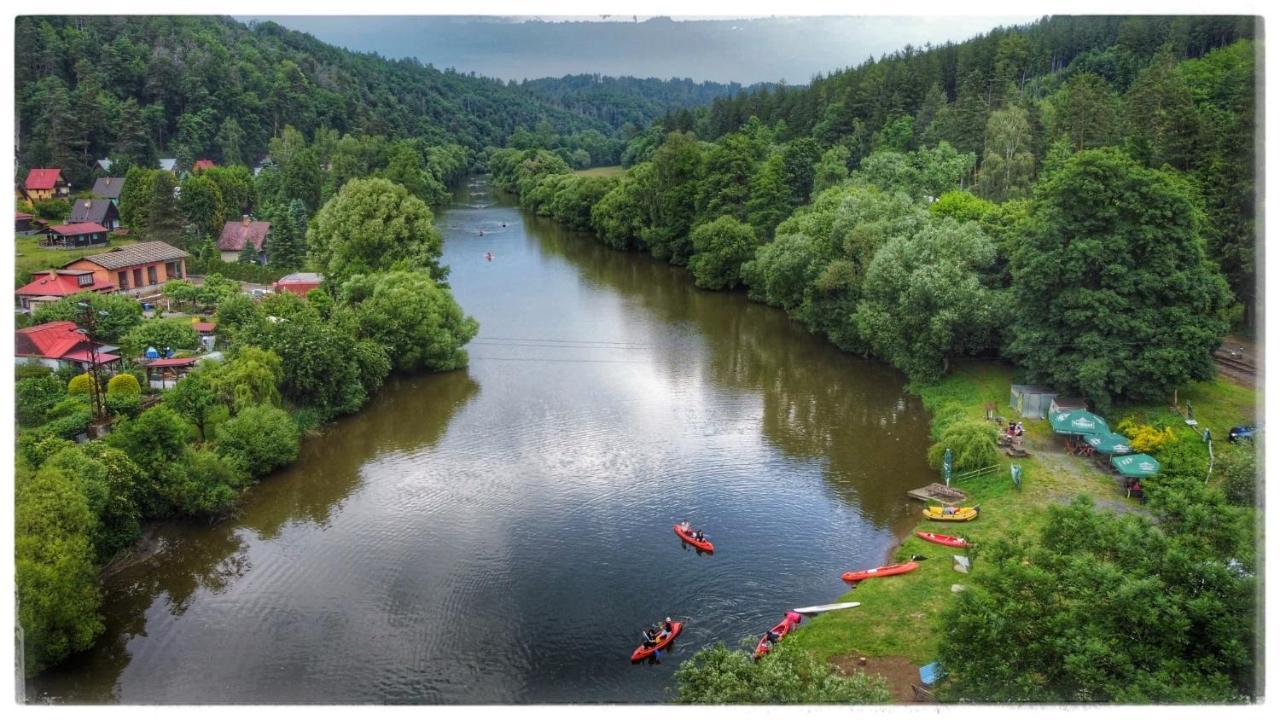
x: 815, y: 609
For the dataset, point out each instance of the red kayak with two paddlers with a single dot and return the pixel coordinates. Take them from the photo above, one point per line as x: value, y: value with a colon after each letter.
x: 854, y: 576
x: 948, y: 540
x: 664, y: 640
x: 776, y: 633
x: 687, y: 534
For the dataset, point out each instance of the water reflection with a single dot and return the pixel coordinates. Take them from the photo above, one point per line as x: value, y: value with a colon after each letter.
x: 426, y: 549
x: 183, y: 561
x: 868, y: 432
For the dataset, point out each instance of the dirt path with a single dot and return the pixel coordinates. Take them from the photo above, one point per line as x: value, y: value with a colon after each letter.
x: 899, y: 673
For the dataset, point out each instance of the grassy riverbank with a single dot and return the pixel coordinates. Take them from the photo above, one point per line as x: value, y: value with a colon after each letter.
x: 900, y: 616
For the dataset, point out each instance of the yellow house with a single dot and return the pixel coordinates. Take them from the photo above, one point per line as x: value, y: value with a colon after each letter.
x: 46, y: 184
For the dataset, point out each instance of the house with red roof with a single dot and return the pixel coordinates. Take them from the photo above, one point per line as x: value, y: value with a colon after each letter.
x: 299, y: 283
x: 61, y: 344
x: 46, y: 184
x: 24, y: 222
x: 74, y: 235
x: 236, y: 234
x: 52, y: 285
x: 139, y: 268
x: 202, y: 164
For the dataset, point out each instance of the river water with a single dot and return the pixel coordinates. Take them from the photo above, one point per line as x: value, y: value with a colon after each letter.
x: 501, y: 534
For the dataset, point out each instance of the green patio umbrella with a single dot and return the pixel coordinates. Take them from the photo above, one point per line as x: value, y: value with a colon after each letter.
x: 1109, y: 443
x: 1078, y: 422
x: 1136, y: 466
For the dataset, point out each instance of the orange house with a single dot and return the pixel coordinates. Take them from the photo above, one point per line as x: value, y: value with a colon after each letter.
x: 136, y: 267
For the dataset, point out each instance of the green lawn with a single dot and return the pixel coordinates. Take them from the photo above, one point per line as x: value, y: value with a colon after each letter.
x: 32, y: 258
x: 900, y: 616
x: 604, y: 171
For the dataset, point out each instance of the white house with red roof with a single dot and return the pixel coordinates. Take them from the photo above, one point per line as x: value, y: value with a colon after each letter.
x: 61, y: 344
x: 235, y: 235
x: 53, y: 285
x: 46, y: 184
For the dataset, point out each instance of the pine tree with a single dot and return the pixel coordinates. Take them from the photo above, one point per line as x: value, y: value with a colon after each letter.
x: 133, y: 142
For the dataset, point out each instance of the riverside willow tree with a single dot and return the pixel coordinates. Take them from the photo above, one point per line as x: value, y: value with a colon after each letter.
x: 923, y: 299
x: 1114, y: 295
x: 373, y: 225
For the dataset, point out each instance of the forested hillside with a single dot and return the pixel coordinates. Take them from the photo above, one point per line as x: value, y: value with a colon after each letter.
x: 622, y: 100
x: 1076, y: 196
x: 137, y: 88
x: 1009, y: 96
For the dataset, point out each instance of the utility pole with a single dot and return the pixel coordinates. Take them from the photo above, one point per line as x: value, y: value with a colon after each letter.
x: 90, y: 322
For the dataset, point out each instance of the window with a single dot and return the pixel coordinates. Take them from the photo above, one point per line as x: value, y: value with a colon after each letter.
x: 122, y: 279
x: 137, y: 277
x: 151, y: 275
x: 84, y: 280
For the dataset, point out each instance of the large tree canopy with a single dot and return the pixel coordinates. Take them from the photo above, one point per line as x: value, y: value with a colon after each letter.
x: 373, y: 225
x: 1114, y: 295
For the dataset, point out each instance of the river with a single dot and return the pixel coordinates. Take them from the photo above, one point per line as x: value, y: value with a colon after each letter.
x: 501, y: 534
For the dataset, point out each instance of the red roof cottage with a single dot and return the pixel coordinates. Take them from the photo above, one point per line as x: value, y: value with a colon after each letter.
x: 46, y: 184
x: 51, y: 285
x: 299, y: 283
x: 75, y: 234
x: 60, y: 344
x: 135, y: 268
x: 236, y: 234
x: 202, y: 164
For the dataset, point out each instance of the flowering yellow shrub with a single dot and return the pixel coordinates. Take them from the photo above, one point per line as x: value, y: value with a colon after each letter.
x: 1145, y: 438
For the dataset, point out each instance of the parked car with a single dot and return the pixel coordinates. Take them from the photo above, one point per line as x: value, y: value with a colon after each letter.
x: 1242, y: 432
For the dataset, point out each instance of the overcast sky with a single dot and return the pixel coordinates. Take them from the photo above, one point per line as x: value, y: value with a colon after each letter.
x: 742, y: 50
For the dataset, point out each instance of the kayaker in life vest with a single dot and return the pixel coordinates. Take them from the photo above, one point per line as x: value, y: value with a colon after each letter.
x: 697, y: 534
x: 666, y: 625
x: 650, y: 638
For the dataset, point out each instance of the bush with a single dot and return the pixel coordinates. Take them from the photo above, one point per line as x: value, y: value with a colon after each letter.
x: 788, y: 674
x: 1238, y: 465
x: 35, y: 396
x: 123, y: 384
x: 80, y: 385
x: 1145, y: 438
x: 123, y: 404
x: 259, y: 439
x: 203, y: 484
x: 972, y: 443
x: 56, y: 210
x: 31, y: 370
x: 172, y: 333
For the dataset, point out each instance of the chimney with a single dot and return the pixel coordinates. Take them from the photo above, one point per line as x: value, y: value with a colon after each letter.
x: 244, y: 220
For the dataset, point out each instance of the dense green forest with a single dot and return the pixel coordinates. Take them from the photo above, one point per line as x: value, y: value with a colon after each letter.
x: 1075, y: 207
x: 627, y: 100
x: 134, y: 88
x: 1008, y: 96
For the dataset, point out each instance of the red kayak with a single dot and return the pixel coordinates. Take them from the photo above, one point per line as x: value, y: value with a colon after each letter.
x: 854, y: 576
x: 956, y: 542
x: 687, y: 536
x: 781, y: 630
x: 664, y: 640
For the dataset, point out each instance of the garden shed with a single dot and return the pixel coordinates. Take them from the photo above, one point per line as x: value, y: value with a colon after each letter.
x: 1031, y: 401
